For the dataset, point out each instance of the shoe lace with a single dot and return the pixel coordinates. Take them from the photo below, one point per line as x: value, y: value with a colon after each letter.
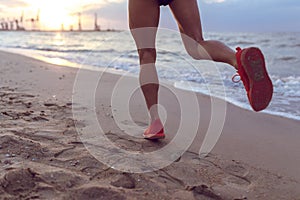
x: 236, y: 78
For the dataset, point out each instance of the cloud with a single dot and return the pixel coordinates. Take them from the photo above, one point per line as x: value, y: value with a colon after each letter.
x: 12, y: 3
x: 97, y: 4
x: 12, y: 8
x: 113, y: 13
x: 108, y: 8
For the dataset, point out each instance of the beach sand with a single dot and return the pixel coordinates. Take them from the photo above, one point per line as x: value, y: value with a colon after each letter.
x: 43, y: 157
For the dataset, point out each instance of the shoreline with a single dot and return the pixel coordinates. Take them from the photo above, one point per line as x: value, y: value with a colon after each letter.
x: 42, y: 154
x: 65, y: 63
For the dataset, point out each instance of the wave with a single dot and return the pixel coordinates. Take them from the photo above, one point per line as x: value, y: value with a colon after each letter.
x: 119, y: 55
x: 287, y: 58
x: 49, y: 49
x: 282, y: 46
x: 287, y: 86
x: 245, y: 43
x: 265, y: 41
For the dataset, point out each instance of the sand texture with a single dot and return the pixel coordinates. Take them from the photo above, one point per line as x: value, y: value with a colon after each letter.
x: 43, y: 157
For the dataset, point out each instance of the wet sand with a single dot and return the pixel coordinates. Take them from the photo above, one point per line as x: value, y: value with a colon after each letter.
x: 43, y: 157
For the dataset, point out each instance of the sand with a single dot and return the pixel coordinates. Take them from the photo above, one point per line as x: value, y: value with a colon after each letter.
x: 42, y: 155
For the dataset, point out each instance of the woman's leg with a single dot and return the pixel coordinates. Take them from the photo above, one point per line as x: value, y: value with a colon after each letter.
x: 143, y: 22
x: 249, y: 62
x: 187, y: 15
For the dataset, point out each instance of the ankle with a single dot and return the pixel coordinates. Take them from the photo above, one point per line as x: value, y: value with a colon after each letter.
x: 154, y: 119
x: 234, y: 63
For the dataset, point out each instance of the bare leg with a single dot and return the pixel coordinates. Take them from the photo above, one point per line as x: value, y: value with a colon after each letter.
x: 188, y: 18
x: 143, y: 22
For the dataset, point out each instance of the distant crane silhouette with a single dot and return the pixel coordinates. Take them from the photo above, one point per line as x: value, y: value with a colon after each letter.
x: 11, y: 24
x: 22, y: 17
x: 5, y: 25
x: 2, y: 24
x: 19, y: 23
x: 79, y: 22
x: 97, y: 27
x: 35, y: 21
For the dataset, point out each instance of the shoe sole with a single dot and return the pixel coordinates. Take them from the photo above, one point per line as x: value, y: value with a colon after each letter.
x: 261, y: 87
x: 155, y: 137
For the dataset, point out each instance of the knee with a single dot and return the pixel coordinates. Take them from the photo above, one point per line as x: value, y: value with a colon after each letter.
x: 193, y: 52
x: 195, y: 49
x: 147, y: 55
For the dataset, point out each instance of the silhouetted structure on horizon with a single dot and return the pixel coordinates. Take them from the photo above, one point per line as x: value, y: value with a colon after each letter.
x: 35, y: 22
x: 12, y: 25
x: 79, y: 22
x: 17, y: 24
x: 96, y: 27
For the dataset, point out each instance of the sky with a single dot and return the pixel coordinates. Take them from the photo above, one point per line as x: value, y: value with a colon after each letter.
x: 216, y: 15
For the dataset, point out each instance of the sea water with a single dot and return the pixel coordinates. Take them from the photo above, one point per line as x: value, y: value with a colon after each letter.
x: 116, y: 51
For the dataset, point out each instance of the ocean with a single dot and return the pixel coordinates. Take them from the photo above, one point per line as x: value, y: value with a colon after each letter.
x: 115, y: 51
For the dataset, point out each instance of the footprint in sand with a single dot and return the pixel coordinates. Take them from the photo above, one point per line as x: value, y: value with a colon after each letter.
x: 61, y: 180
x: 133, y: 128
x: 21, y: 147
x: 237, y: 176
x: 96, y: 193
x: 237, y: 182
x: 124, y: 181
x: 237, y: 170
x: 203, y: 192
x: 17, y: 182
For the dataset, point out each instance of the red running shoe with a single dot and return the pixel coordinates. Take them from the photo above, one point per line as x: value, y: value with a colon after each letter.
x: 155, y: 131
x: 253, y: 73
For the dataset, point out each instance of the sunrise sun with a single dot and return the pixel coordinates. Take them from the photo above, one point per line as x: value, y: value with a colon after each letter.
x: 51, y: 15
x: 55, y: 19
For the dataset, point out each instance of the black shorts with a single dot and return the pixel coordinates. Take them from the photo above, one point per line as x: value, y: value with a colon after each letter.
x: 164, y: 2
